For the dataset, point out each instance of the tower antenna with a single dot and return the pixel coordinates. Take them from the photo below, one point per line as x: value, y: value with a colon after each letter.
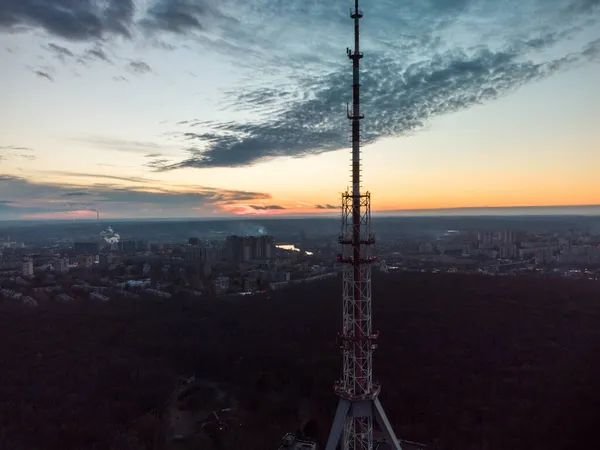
x: 352, y: 427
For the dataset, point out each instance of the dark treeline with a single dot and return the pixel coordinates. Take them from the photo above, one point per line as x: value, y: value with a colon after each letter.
x: 466, y: 362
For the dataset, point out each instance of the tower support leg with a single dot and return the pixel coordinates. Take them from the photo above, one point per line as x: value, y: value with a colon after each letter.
x: 385, y: 425
x: 360, y: 408
x: 338, y: 424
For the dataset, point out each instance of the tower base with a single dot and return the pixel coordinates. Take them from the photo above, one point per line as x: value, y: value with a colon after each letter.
x: 360, y: 408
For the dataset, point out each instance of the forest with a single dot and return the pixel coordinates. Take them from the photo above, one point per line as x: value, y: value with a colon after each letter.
x: 466, y: 362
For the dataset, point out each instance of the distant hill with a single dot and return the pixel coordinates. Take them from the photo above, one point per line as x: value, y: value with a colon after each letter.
x: 466, y: 362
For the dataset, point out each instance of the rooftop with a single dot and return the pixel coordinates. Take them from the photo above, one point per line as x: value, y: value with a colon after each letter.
x: 290, y: 442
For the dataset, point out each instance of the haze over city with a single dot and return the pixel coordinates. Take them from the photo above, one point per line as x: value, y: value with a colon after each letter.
x: 208, y: 109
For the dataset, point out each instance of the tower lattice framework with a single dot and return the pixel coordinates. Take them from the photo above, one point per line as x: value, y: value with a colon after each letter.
x: 359, y: 405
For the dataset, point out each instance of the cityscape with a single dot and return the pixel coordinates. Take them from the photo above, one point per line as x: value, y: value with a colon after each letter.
x: 75, y: 262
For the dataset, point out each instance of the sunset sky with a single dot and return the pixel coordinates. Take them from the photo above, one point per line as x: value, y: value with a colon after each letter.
x: 197, y: 108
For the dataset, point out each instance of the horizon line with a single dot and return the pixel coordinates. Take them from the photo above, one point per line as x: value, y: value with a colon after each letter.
x: 467, y: 211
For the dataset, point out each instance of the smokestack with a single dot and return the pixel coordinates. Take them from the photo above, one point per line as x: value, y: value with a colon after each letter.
x: 97, y: 213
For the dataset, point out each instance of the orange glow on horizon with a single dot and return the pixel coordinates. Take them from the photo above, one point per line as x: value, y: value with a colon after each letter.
x: 77, y: 214
x: 517, y: 203
x: 242, y: 209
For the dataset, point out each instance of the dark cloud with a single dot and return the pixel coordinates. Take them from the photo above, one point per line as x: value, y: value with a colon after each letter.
x: 77, y: 194
x: 26, y: 197
x: 592, y: 50
x: 327, y: 206
x: 579, y: 6
x: 139, y: 67
x: 70, y: 19
x: 120, y: 79
x: 177, y: 16
x: 187, y: 16
x: 249, y: 22
x: 103, y: 20
x: 266, y: 207
x: 397, y: 99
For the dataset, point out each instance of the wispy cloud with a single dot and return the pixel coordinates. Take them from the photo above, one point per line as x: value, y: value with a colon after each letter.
x: 60, y: 52
x: 123, y: 145
x: 43, y: 74
x: 97, y: 53
x: 99, y: 176
x: 67, y: 56
x: 266, y: 207
x: 156, y: 161
x: 139, y: 67
x: 15, y: 148
x: 22, y: 197
x: 86, y: 57
x: 13, y: 151
x: 327, y: 206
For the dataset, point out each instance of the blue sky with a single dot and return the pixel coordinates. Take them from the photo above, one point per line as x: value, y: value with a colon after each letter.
x: 201, y: 108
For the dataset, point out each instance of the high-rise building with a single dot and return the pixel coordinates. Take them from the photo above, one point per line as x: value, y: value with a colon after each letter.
x: 28, y: 268
x: 196, y: 254
x: 85, y: 261
x: 127, y: 246
x: 63, y: 265
x: 106, y: 259
x: 92, y: 248
x: 142, y: 246
x: 249, y: 248
x: 193, y: 254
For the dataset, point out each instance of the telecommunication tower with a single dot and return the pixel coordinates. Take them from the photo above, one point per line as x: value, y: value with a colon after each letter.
x: 352, y: 427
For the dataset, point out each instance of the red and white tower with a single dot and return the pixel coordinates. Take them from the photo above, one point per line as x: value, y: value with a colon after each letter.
x: 352, y: 427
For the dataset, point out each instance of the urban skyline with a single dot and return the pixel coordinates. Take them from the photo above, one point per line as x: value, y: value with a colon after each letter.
x: 186, y: 109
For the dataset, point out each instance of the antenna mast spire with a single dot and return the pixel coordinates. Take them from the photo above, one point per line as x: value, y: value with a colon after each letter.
x: 352, y: 427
